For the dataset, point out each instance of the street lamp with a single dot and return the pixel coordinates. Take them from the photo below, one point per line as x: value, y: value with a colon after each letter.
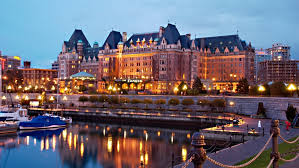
x: 185, y: 87
x: 291, y: 88
x: 175, y: 89
x: 261, y: 89
x: 64, y: 98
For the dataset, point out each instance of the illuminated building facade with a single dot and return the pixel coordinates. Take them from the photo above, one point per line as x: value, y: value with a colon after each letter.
x: 11, y: 62
x: 279, y: 52
x: 77, y: 55
x: 285, y: 71
x: 260, y: 56
x: 38, y: 77
x: 159, y: 61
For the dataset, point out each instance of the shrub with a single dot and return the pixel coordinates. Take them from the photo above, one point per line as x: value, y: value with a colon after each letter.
x: 114, y: 100
x: 103, y: 98
x: 261, y: 110
x: 93, y: 99
x: 218, y: 103
x: 174, y: 101
x: 291, y: 113
x: 160, y: 101
x: 148, y: 101
x: 136, y: 101
x: 187, y: 102
x: 203, y: 102
x: 83, y: 99
x: 124, y: 100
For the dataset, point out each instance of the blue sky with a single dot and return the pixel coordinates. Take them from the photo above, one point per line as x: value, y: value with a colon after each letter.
x: 36, y: 29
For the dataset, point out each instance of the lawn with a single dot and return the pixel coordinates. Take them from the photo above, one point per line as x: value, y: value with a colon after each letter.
x: 264, y: 159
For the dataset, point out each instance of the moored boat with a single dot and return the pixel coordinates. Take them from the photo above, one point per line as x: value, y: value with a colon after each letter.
x: 8, y: 128
x: 42, y: 122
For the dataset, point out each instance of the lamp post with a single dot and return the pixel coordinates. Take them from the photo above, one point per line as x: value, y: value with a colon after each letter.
x: 185, y: 87
x: 261, y: 89
x: 175, y: 90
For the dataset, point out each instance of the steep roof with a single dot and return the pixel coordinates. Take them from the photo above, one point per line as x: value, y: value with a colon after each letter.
x: 221, y: 42
x: 76, y: 36
x: 141, y: 36
x: 185, y: 41
x: 171, y: 34
x: 91, y: 53
x: 113, y: 38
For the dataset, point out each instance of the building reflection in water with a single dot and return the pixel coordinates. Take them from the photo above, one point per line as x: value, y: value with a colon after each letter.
x: 104, y: 146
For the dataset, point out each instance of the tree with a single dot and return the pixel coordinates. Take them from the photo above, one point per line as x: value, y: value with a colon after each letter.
x: 291, y: 113
x: 83, y: 99
x: 82, y: 88
x: 278, y: 89
x: 197, y: 85
x: 14, y: 78
x: 243, y: 86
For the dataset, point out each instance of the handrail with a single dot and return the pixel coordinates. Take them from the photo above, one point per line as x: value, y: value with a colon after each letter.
x: 270, y: 163
x: 285, y: 160
x: 289, y: 142
x: 245, y: 164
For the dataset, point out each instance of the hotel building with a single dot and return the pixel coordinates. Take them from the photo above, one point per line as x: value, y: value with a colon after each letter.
x: 158, y: 61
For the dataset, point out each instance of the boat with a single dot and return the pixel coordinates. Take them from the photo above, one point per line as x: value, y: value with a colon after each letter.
x: 19, y: 115
x: 6, y: 128
x: 68, y: 120
x: 42, y: 122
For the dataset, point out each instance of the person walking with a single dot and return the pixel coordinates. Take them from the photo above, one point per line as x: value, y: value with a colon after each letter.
x: 259, y: 125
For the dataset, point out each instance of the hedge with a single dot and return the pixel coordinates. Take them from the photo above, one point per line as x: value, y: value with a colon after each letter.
x: 187, y: 102
x: 173, y: 101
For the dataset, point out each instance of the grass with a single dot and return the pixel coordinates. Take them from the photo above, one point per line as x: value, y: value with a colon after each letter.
x: 264, y: 159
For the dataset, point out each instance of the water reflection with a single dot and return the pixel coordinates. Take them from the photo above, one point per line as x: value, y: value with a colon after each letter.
x: 83, y: 145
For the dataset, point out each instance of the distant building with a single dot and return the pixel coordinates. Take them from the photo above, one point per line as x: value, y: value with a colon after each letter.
x: 260, y: 56
x: 11, y: 62
x: 55, y: 65
x: 36, y: 76
x: 27, y: 64
x: 286, y: 71
x: 279, y: 52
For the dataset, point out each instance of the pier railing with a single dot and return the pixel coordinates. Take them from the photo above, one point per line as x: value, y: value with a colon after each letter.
x: 198, y: 153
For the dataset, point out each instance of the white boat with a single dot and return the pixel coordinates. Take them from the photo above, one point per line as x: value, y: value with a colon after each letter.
x: 68, y: 120
x: 6, y: 128
x: 19, y: 115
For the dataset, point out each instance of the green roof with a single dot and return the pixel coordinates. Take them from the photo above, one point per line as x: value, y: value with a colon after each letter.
x: 82, y: 75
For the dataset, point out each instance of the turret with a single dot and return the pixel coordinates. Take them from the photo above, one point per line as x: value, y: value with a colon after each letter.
x: 80, y: 49
x: 124, y: 37
x: 95, y: 45
x: 161, y: 31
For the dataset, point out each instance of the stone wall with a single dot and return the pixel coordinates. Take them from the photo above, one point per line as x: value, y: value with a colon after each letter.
x: 275, y: 106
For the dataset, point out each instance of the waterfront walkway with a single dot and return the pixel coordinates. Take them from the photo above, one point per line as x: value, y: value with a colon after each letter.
x: 240, y: 152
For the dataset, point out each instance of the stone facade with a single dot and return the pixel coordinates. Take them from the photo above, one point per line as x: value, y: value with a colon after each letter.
x: 157, y: 62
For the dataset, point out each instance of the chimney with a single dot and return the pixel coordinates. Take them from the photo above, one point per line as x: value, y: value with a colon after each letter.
x: 202, y: 43
x: 124, y: 37
x: 27, y: 64
x: 189, y: 36
x: 161, y: 31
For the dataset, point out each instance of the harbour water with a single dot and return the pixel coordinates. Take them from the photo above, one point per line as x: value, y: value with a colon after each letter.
x: 91, y: 145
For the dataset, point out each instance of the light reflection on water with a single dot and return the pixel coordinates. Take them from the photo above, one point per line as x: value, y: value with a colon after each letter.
x: 82, y: 145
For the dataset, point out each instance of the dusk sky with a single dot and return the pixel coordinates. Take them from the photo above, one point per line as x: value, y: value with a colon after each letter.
x: 36, y: 29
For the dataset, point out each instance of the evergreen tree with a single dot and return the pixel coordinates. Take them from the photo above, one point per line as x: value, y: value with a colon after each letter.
x: 243, y: 86
x: 197, y: 85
